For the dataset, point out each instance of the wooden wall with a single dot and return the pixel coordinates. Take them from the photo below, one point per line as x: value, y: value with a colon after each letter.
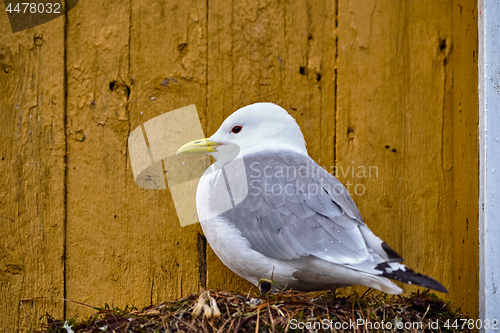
x: 390, y: 85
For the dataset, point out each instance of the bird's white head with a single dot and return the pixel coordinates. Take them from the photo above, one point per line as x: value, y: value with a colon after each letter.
x: 253, y: 128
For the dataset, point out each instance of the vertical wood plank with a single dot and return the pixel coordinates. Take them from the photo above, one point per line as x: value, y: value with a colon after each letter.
x: 394, y: 117
x: 369, y: 40
x: 168, y: 68
x: 466, y: 156
x: 271, y: 51
x: 97, y: 130
x: 428, y: 219
x: 32, y: 149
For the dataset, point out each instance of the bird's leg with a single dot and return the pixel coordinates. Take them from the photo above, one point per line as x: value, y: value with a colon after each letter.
x: 333, y: 291
x: 265, y: 286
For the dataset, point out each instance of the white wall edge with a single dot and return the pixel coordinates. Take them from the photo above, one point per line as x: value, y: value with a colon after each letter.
x: 489, y: 159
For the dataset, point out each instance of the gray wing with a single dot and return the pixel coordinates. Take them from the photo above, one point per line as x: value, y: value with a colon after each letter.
x: 294, y: 209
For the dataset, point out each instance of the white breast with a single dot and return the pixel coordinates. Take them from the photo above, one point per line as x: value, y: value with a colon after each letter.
x: 224, y: 238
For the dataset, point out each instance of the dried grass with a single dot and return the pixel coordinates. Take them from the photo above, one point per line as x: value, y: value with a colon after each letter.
x: 283, y: 312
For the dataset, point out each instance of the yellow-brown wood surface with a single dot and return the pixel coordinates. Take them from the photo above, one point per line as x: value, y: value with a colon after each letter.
x: 465, y: 157
x: 385, y: 93
x: 32, y: 168
x: 394, y: 116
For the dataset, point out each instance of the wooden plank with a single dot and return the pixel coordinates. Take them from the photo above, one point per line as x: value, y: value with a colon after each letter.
x: 168, y: 68
x: 394, y: 116
x: 428, y: 220
x: 278, y: 52
x: 466, y: 155
x: 98, y: 79
x: 130, y: 72
x: 32, y: 149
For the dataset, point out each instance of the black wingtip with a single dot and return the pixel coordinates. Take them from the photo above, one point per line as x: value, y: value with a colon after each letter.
x: 393, y: 255
x: 441, y: 288
x: 428, y: 282
x: 409, y: 276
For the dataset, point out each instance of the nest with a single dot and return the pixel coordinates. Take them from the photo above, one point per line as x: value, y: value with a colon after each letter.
x: 283, y: 312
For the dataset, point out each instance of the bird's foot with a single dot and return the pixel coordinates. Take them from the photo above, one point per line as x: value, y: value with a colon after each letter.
x: 333, y: 292
x: 265, y: 286
x: 207, y: 305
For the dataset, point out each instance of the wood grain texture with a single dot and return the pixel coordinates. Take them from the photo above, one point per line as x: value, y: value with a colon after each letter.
x: 395, y: 119
x: 97, y: 130
x: 465, y: 156
x: 168, y: 68
x: 384, y: 92
x: 399, y: 112
x: 32, y: 148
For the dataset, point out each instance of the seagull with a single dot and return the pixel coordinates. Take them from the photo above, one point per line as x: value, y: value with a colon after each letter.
x: 290, y: 223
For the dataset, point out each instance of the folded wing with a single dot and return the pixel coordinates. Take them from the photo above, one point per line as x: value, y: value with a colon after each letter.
x: 295, y: 208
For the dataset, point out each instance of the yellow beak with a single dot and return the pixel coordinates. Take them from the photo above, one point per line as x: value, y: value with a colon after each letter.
x: 198, y: 146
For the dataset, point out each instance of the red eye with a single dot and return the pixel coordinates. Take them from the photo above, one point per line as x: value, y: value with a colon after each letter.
x: 236, y: 129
